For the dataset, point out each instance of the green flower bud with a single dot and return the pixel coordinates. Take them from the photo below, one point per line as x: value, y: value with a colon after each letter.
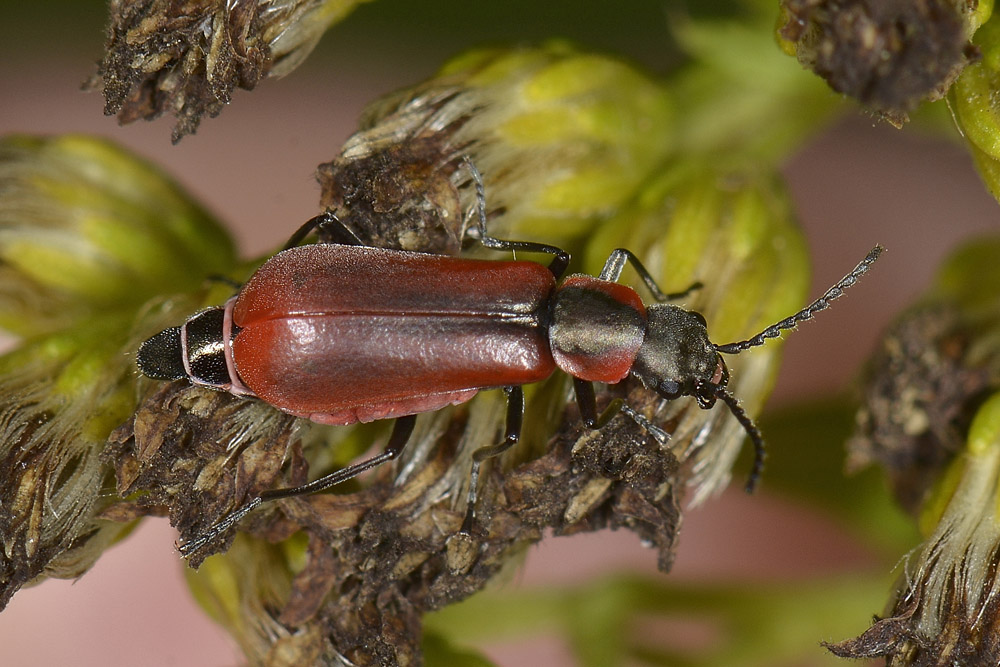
x: 974, y: 103
x: 734, y: 231
x: 86, y: 228
x: 241, y: 589
x: 88, y: 235
x: 561, y: 137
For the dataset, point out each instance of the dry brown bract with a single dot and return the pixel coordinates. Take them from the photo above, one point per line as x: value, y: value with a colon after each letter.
x: 377, y: 559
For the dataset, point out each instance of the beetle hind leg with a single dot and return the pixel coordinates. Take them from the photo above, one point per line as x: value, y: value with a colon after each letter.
x: 512, y: 433
x: 401, y: 432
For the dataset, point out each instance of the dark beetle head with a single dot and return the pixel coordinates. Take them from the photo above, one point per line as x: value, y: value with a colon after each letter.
x: 677, y: 358
x: 161, y: 357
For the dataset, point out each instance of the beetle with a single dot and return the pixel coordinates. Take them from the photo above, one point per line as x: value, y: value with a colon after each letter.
x: 339, y: 333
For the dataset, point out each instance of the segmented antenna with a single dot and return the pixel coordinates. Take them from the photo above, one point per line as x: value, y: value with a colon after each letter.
x: 756, y: 437
x: 808, y: 312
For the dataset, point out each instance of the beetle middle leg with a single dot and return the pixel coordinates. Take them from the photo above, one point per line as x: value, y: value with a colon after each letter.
x: 616, y: 262
x: 400, y: 435
x: 512, y: 433
x: 332, y: 227
x: 560, y: 261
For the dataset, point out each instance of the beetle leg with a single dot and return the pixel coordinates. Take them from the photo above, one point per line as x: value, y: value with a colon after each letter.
x: 616, y: 262
x: 661, y: 436
x: 512, y: 433
x: 225, y: 280
x: 587, y: 403
x: 401, y: 431
x: 397, y: 440
x: 331, y: 226
x: 561, y: 258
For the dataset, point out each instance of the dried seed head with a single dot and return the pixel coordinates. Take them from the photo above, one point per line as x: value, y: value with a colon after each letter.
x: 188, y: 57
x: 890, y: 56
x: 931, y: 372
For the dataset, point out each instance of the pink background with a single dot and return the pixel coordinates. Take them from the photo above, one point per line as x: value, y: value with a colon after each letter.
x: 858, y: 184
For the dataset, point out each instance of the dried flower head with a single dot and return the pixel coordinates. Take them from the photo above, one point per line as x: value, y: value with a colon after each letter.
x: 933, y: 419
x: 890, y: 56
x: 187, y: 56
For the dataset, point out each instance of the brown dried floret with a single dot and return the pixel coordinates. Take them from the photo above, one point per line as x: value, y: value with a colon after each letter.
x: 890, y: 55
x: 919, y: 398
x: 186, y: 57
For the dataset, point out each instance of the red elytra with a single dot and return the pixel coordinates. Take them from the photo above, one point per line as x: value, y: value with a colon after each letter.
x: 342, y: 334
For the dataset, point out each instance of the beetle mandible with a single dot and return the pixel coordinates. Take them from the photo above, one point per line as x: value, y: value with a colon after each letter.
x: 340, y: 333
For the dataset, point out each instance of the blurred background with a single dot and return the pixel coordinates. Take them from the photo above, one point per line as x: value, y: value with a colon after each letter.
x: 857, y: 183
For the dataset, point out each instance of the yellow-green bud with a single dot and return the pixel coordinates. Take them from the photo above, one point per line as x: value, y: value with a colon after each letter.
x: 734, y: 231
x: 561, y: 137
x: 87, y: 228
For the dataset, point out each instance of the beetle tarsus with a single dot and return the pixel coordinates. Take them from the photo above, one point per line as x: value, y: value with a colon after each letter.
x: 661, y: 436
x: 218, y: 529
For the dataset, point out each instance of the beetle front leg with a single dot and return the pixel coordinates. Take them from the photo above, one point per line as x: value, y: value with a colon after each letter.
x: 401, y: 432
x: 616, y: 262
x: 560, y: 260
x: 512, y: 433
x: 586, y: 401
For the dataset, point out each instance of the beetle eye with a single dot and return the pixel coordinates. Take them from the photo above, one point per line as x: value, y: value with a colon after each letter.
x: 669, y: 389
x: 700, y: 318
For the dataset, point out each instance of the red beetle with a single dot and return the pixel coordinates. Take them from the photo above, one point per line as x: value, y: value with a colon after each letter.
x: 340, y: 334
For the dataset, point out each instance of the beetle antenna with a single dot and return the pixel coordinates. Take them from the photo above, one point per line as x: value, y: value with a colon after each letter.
x: 809, y: 311
x: 759, y: 453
